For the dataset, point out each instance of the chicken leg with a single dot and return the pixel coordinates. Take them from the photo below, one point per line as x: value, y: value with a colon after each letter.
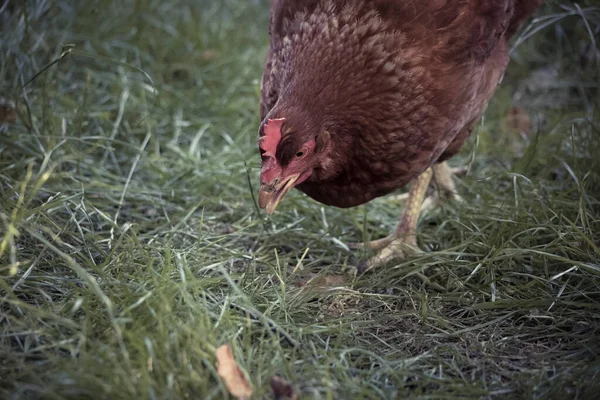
x: 404, y: 240
x: 444, y: 189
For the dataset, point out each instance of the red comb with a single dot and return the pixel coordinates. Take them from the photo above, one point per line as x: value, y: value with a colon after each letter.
x: 272, y: 136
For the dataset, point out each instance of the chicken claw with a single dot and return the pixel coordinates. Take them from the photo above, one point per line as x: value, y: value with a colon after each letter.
x: 444, y: 191
x: 405, y: 237
x: 403, y: 242
x: 373, y: 244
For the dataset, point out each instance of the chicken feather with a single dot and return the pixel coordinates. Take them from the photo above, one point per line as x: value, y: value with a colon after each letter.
x: 397, y: 84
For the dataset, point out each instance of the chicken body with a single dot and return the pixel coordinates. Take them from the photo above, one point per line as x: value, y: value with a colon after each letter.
x: 395, y: 85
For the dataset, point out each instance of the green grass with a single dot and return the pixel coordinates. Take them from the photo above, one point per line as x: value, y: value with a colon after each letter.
x: 131, y: 246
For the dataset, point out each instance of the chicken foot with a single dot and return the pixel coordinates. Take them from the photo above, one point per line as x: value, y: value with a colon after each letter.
x: 444, y: 190
x: 404, y: 239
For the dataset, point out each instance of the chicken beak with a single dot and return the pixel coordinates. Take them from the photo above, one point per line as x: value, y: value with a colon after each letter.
x: 269, y: 198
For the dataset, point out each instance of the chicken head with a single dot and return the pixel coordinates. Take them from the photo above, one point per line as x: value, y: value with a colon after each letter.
x: 286, y: 163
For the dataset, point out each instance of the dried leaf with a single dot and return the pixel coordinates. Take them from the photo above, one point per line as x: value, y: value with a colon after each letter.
x: 210, y: 54
x: 232, y: 375
x: 518, y: 120
x: 282, y: 389
x: 8, y: 115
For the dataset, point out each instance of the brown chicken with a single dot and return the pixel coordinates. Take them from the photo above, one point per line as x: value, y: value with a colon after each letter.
x: 359, y: 98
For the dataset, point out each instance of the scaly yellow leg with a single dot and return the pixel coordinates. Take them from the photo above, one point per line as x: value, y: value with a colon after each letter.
x: 445, y: 188
x: 404, y: 239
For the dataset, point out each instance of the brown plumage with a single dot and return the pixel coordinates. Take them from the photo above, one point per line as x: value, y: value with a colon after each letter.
x: 368, y: 95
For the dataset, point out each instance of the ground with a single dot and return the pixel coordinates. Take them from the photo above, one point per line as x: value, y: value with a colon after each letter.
x: 131, y: 246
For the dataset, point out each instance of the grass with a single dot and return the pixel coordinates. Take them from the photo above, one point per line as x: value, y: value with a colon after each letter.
x: 131, y: 246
